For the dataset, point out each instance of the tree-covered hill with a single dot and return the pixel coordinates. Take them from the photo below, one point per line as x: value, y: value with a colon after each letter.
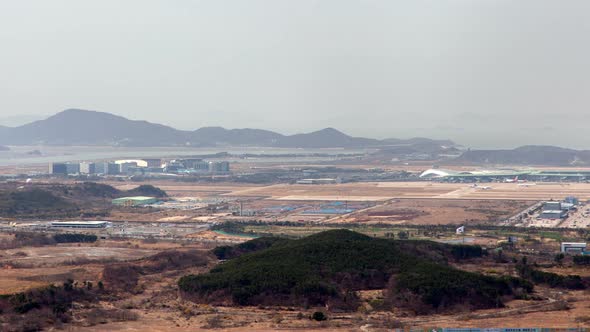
x: 35, y: 203
x: 327, y: 268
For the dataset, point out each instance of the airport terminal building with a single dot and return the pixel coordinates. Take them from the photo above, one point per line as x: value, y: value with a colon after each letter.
x: 505, y: 175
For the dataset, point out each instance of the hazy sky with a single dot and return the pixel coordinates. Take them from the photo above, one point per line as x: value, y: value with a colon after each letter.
x: 487, y: 73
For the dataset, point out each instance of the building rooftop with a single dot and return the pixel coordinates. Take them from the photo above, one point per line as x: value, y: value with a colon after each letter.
x: 135, y: 198
x: 442, y: 173
x: 78, y: 222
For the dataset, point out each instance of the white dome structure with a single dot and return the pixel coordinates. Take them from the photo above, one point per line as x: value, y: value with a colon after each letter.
x: 435, y: 173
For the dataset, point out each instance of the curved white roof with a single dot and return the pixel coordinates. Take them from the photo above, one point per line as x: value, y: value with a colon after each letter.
x: 139, y: 162
x: 434, y: 173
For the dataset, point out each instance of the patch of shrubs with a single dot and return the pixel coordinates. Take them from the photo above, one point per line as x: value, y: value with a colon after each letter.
x: 441, y: 287
x: 582, y: 260
x: 229, y: 252
x: 174, y: 260
x: 462, y: 251
x: 100, y: 316
x: 122, y: 276
x: 125, y: 276
x: 549, y: 278
x: 147, y: 190
x: 319, y: 316
x: 23, y: 239
x: 74, y: 238
x: 96, y: 190
x: 36, y: 308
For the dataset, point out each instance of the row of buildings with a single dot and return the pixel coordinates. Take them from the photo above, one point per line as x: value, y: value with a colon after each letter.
x: 196, y: 166
x: 557, y: 209
x: 141, y: 167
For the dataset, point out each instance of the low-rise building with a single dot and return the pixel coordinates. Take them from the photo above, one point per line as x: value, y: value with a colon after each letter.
x: 80, y: 224
x: 553, y: 214
x: 107, y: 168
x: 154, y: 170
x: 87, y: 168
x: 202, y: 166
x: 317, y: 181
x: 571, y: 200
x: 134, y: 201
x: 219, y: 166
x: 573, y: 247
x: 58, y: 169
x: 73, y: 168
x: 190, y: 163
x: 552, y: 205
x: 125, y: 167
x: 157, y: 163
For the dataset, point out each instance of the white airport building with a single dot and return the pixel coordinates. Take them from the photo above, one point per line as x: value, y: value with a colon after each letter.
x: 573, y: 247
x: 80, y: 224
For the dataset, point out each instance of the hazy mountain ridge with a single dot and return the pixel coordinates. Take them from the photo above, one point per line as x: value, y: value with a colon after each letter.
x: 77, y: 127
x: 326, y: 138
x: 214, y: 135
x: 81, y: 127
x: 528, y: 155
x: 420, y: 140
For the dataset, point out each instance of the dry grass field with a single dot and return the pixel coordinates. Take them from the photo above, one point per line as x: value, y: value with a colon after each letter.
x: 516, y: 314
x: 26, y: 267
x: 58, y: 254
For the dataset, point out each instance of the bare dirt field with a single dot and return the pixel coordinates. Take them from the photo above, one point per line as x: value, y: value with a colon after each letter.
x: 60, y: 254
x: 28, y: 267
x: 438, y: 211
x: 14, y: 280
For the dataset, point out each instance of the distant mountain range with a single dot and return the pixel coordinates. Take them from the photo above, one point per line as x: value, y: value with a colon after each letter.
x: 528, y: 155
x: 81, y: 127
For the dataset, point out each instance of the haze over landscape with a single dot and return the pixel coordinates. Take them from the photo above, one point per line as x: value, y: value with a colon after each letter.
x: 485, y: 74
x: 294, y: 165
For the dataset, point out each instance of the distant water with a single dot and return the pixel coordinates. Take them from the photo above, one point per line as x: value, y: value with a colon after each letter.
x: 22, y: 155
